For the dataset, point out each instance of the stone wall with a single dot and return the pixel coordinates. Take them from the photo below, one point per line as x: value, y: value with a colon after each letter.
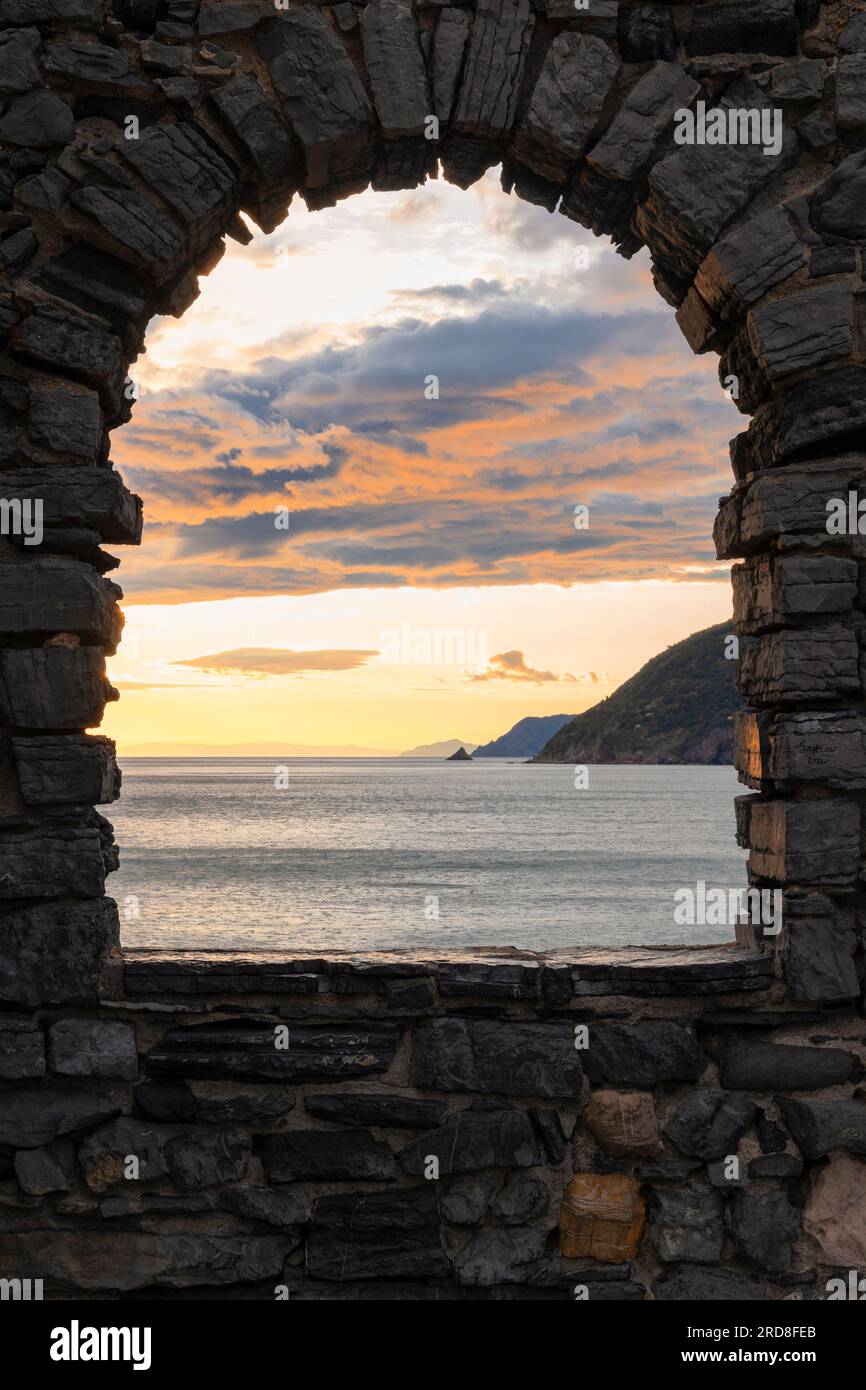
x: 132, y: 134
x: 612, y: 1126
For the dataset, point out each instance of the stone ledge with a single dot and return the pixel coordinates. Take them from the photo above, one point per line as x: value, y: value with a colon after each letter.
x: 507, y: 972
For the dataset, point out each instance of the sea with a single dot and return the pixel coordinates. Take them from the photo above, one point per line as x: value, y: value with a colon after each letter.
x: 316, y: 854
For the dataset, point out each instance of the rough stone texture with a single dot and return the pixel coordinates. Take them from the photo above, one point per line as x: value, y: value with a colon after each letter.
x: 376, y: 1235
x: 91, y: 499
x: 566, y: 105
x: 50, y: 1169
x: 806, y: 666
x: 244, y: 107
x: 53, y: 338
x: 769, y: 588
x: 395, y: 66
x: 709, y: 1124
x: 759, y: 1066
x: 19, y: 71
x: 120, y: 1261
x: 687, y: 1284
x: 602, y: 1218
x: 486, y: 104
x: 182, y: 165
x: 623, y: 1122
x: 396, y: 1066
x: 465, y: 1201
x: 608, y: 184
x: 460, y: 1054
x: 764, y: 1226
x: 784, y: 337
x: 488, y: 1138
x: 742, y: 25
x: 88, y: 14
x: 805, y: 841
x: 52, y: 594
x: 399, y: 1112
x: 643, y: 1054
x: 322, y: 96
x: 696, y: 192
x: 229, y: 17
x: 215, y: 1102
x: 494, y: 1257
x: 787, y: 506
x: 820, y: 1127
x: 203, y: 1160
x: 38, y: 120
x: 835, y: 1212
x: 748, y: 261
x: 672, y: 972
x: 687, y: 1225
x: 449, y: 45
x: 71, y: 769
x: 457, y: 1187
x: 104, y: 1155
x: 130, y: 225
x: 22, y: 1049
x: 55, y: 953
x: 32, y: 1118
x: 51, y: 862
x: 819, y: 749
x: 523, y: 1198
x: 53, y: 687
x: 818, y: 946
x: 850, y: 98
x: 250, y: 1053
x: 261, y: 1204
x: 315, y: 1155
x: 83, y: 1047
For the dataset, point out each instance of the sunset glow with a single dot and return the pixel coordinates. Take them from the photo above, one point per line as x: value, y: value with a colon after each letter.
x: 308, y: 489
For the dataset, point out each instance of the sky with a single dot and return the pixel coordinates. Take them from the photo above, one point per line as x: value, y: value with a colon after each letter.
x: 413, y: 467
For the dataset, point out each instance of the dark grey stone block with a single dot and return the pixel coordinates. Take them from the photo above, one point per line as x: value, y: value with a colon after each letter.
x: 22, y: 1049
x: 709, y: 1124
x: 377, y: 1235
x: 687, y: 1224
x: 765, y: 1226
x: 642, y: 1054
x: 323, y: 1155
x: 473, y: 1139
x: 358, y: 1110
x: 31, y: 1118
x: 93, y: 1047
x: 760, y: 1066
x: 821, y: 1127
x: 458, y: 1054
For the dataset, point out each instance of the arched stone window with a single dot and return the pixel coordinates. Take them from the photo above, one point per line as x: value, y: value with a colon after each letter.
x: 133, y: 133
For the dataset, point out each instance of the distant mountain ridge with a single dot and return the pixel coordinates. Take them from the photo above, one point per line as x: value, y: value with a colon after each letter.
x: 678, y: 708
x: 438, y: 750
x: 527, y: 737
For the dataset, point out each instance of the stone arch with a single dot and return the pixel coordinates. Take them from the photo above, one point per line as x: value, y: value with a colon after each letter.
x: 133, y: 134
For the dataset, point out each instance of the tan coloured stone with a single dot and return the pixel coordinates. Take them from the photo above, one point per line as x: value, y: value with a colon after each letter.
x: 602, y: 1218
x: 623, y: 1122
x: 835, y: 1214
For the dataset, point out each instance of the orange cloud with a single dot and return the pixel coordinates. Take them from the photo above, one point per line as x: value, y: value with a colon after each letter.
x: 511, y: 666
x: 278, y: 661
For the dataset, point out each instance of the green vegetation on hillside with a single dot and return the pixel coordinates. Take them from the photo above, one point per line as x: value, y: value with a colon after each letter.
x: 678, y: 708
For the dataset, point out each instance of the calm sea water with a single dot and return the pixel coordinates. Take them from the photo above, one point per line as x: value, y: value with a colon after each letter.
x: 361, y: 854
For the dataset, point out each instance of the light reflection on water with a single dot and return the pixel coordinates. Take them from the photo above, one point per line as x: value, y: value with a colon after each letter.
x: 358, y: 854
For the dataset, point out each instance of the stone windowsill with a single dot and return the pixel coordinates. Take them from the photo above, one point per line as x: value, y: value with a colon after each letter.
x: 506, y: 971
